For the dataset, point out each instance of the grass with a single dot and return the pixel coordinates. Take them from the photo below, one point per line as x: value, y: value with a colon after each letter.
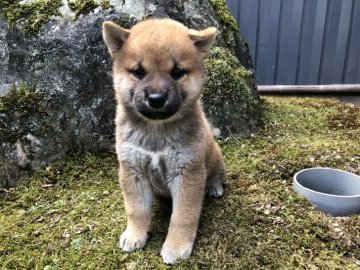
x: 70, y: 214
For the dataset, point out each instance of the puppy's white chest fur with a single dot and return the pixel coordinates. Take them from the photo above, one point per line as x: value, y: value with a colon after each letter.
x: 161, y: 168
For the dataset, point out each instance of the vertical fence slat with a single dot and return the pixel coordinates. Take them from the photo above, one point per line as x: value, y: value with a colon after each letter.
x: 248, y: 11
x: 353, y: 64
x: 336, y: 40
x: 348, y: 43
x: 313, y: 29
x: 267, y: 43
x: 289, y: 40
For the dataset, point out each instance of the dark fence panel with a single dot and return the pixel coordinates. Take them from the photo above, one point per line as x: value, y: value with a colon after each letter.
x: 301, y: 41
x: 312, y: 37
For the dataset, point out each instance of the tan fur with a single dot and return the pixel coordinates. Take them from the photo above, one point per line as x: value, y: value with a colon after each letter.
x: 173, y: 156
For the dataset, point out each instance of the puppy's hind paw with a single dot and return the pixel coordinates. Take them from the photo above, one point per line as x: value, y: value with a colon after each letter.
x: 215, y: 191
x: 130, y: 241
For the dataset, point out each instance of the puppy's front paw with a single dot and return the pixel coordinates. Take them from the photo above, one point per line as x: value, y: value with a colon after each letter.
x: 171, y: 252
x: 129, y: 240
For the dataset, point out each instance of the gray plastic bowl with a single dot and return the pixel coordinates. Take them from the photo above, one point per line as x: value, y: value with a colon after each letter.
x: 332, y: 191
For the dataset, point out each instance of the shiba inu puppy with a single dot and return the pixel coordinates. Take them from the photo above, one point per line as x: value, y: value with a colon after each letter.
x: 163, y: 141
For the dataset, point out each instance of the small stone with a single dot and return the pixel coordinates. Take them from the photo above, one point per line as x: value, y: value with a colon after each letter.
x: 274, y: 209
x: 277, y: 220
x: 312, y: 267
x: 22, y: 212
x: 131, y: 266
x: 106, y: 192
x: 47, y: 185
x: 304, y: 145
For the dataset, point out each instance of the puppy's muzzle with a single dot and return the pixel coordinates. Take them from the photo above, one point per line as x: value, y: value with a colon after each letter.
x: 158, y: 104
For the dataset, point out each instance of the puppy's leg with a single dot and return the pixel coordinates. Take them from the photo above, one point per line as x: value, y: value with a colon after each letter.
x: 187, y: 194
x: 215, y: 178
x: 214, y: 183
x: 216, y: 171
x: 138, y: 197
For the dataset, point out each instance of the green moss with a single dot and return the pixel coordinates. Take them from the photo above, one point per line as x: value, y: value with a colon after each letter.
x: 86, y: 6
x: 69, y: 216
x: 223, y: 14
x: 105, y: 4
x: 31, y: 16
x: 17, y: 108
x: 225, y: 71
x: 227, y: 85
x: 126, y: 21
x: 229, y: 33
x: 225, y: 78
x: 349, y: 118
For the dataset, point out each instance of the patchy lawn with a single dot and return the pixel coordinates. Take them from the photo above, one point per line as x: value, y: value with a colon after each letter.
x: 70, y: 215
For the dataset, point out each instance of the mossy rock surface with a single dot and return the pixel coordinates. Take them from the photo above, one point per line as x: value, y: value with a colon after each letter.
x: 55, y: 62
x: 230, y: 94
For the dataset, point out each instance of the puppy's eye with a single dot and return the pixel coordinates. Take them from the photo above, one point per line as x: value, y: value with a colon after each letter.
x: 177, y: 73
x: 139, y: 73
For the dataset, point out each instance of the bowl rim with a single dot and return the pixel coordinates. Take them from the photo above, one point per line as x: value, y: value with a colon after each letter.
x: 322, y: 193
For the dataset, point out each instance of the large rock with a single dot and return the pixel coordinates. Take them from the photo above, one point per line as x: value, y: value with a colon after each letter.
x: 55, y: 77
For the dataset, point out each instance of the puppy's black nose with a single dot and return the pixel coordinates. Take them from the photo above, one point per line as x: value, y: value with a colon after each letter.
x: 157, y: 100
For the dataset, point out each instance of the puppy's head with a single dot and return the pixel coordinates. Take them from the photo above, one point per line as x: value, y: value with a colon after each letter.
x: 158, y: 66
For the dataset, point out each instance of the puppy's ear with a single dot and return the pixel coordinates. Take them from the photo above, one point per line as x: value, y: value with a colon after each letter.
x: 203, y: 39
x: 114, y: 36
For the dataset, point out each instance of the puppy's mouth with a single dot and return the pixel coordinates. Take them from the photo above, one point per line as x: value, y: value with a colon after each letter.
x: 157, y: 115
